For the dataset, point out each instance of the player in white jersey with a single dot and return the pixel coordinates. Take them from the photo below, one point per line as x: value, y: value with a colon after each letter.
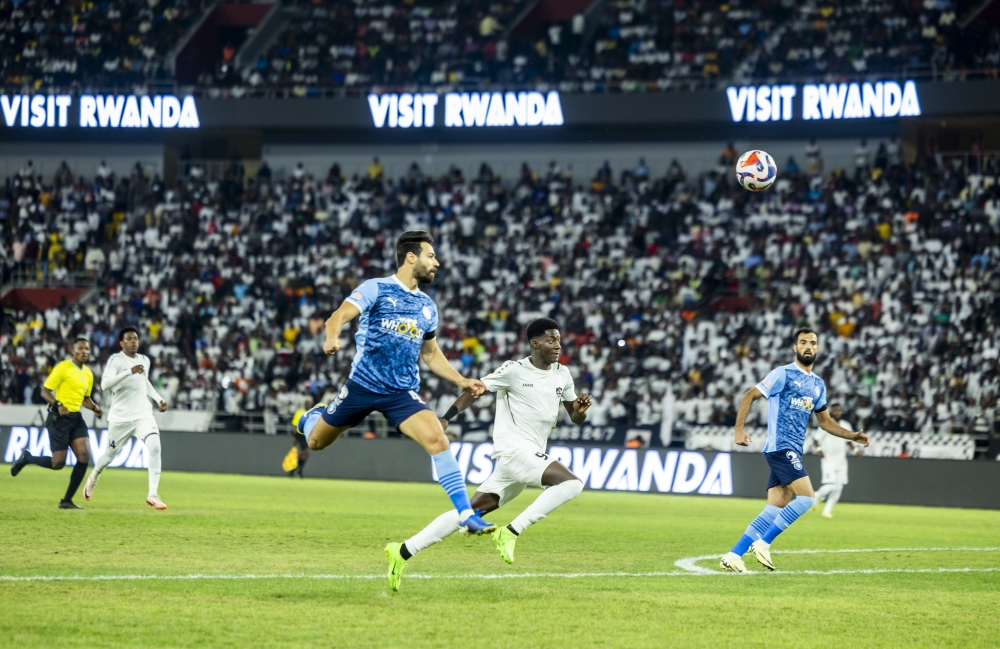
x: 833, y: 451
x: 529, y: 393
x: 126, y: 377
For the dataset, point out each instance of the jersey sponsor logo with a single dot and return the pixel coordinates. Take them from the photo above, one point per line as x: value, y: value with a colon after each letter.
x: 804, y: 404
x: 356, y: 295
x: 793, y: 457
x: 527, y: 385
x: 767, y: 384
x: 402, y: 328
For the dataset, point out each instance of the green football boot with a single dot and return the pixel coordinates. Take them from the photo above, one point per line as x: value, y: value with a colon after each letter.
x: 504, y: 540
x: 397, y: 565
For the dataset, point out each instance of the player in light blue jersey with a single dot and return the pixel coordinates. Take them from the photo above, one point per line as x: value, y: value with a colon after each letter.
x: 396, y: 332
x: 793, y: 393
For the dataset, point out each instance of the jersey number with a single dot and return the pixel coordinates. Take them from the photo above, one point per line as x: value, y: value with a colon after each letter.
x: 542, y: 455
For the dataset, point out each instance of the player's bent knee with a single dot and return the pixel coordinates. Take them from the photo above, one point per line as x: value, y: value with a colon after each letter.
x: 437, y: 444
x: 574, y: 487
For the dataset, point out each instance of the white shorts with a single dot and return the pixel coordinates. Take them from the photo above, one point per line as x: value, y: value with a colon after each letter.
x: 514, y: 471
x: 120, y: 431
x: 836, y: 474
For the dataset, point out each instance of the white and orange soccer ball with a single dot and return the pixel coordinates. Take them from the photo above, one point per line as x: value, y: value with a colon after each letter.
x: 756, y: 171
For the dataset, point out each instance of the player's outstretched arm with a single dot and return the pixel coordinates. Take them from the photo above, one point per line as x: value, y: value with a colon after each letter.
x: 155, y: 396
x: 116, y: 372
x: 827, y: 423
x: 347, y: 312
x: 578, y: 409
x: 435, y: 359
x: 460, y: 404
x: 742, y: 439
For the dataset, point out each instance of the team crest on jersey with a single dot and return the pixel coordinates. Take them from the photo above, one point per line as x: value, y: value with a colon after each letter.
x: 794, y: 458
x: 816, y: 389
x: 559, y: 392
x: 427, y: 312
x: 801, y: 403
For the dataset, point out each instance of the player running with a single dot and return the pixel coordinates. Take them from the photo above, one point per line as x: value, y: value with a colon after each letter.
x: 793, y: 393
x: 126, y: 377
x: 529, y: 392
x: 396, y: 331
x: 833, y: 451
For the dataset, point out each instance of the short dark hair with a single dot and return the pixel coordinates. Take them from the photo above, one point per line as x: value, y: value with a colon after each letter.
x: 538, y: 327
x: 410, y: 242
x: 80, y: 339
x: 800, y: 331
x: 125, y: 330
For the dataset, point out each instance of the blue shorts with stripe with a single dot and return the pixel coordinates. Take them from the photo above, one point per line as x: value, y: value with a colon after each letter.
x: 355, y: 402
x: 786, y: 468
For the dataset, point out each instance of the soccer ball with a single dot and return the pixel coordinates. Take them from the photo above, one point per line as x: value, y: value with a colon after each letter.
x: 755, y: 171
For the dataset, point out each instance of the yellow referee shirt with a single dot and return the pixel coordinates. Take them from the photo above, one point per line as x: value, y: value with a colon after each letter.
x: 70, y: 384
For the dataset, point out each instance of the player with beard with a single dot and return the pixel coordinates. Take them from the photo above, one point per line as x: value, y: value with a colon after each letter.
x: 396, y: 331
x: 793, y: 393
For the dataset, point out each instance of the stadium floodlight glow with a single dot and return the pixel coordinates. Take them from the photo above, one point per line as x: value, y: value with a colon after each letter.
x: 97, y: 111
x: 824, y: 101
x: 466, y: 110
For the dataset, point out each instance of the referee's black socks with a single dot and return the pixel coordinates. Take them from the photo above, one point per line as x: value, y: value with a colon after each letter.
x: 38, y: 460
x: 75, y: 478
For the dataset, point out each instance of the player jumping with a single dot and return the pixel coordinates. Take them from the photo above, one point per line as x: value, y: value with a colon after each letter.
x: 793, y: 393
x: 126, y: 377
x: 529, y: 393
x: 396, y: 331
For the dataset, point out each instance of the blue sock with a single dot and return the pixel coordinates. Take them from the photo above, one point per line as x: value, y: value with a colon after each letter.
x: 789, y: 513
x: 451, y: 479
x: 308, y: 421
x: 757, y: 528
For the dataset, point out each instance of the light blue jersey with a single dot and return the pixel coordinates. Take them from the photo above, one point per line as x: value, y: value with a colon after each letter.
x: 792, y: 395
x: 394, y: 324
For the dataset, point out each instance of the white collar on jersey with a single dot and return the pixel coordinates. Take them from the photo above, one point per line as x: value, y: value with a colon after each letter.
x: 414, y: 291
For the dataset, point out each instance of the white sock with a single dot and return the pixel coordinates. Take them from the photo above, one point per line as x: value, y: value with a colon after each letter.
x: 440, y: 528
x: 823, y: 492
x: 103, y: 462
x: 835, y: 491
x: 155, y: 462
x: 545, y: 503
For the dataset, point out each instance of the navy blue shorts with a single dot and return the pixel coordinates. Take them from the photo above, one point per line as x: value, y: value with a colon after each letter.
x: 786, y: 468
x: 354, y: 403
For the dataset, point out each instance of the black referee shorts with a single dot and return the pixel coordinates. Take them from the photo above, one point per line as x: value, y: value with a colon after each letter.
x: 63, y: 430
x: 300, y: 441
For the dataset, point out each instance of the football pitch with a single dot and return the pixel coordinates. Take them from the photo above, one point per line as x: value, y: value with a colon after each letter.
x: 243, y: 561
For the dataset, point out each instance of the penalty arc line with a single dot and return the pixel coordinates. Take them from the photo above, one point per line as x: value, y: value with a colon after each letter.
x: 689, y: 564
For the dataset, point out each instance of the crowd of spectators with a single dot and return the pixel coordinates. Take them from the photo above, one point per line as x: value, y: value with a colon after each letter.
x: 79, y: 45
x: 634, y: 45
x: 672, y: 292
x: 623, y: 45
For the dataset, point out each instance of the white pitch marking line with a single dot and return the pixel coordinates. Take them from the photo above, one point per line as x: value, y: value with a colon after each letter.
x: 689, y: 564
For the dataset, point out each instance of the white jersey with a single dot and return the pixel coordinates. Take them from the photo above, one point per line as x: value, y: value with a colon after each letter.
x: 130, y: 393
x: 528, y: 404
x: 835, y: 450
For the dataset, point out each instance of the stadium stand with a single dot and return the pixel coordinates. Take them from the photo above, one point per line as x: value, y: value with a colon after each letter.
x: 625, y: 45
x: 667, y: 299
x: 74, y: 46
x: 634, y: 46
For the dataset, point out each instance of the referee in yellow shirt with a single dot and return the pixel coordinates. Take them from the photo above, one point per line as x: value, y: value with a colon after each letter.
x: 67, y: 389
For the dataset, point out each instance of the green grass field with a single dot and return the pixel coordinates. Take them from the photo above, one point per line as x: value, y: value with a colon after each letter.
x: 287, y: 532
